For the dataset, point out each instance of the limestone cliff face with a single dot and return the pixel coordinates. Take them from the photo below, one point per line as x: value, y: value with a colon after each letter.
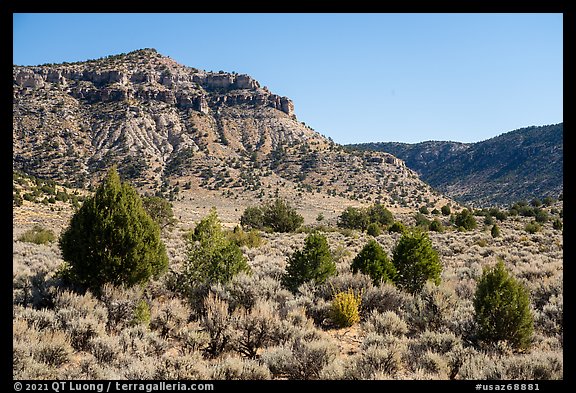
x: 163, y: 123
x: 146, y: 75
x: 141, y: 103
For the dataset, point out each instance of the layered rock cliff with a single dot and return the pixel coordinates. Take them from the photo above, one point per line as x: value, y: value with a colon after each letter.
x: 165, y: 124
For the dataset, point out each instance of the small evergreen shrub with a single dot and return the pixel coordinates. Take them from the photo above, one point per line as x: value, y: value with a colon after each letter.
x: 373, y: 229
x: 212, y: 257
x: 541, y: 216
x: 495, y: 231
x: 502, y: 308
x: 353, y: 218
x: 446, y: 211
x: 312, y: 263
x: 276, y: 215
x: 532, y: 227
x: 416, y: 261
x: 373, y: 261
x: 421, y: 221
x: 397, y: 227
x: 252, y: 218
x: 436, y: 226
x: 378, y: 214
x: 466, y: 220
x: 361, y: 218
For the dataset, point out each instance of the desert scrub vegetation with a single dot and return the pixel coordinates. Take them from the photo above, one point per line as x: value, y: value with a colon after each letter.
x: 252, y: 326
x: 42, y: 191
x: 345, y: 308
x: 38, y: 235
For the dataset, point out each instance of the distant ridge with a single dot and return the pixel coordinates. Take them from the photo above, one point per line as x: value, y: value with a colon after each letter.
x: 521, y: 164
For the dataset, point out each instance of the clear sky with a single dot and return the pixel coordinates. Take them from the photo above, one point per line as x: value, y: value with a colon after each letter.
x: 353, y: 77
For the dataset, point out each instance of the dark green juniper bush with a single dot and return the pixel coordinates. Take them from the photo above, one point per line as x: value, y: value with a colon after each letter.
x: 111, y: 239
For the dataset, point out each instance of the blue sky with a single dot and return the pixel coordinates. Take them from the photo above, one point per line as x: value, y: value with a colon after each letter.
x: 353, y: 77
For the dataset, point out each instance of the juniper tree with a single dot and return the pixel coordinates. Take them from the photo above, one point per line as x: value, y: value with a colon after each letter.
x: 312, y: 263
x: 160, y: 210
x: 416, y: 261
x: 380, y: 215
x: 354, y: 218
x: 281, y: 217
x: 373, y: 261
x: 466, y: 220
x: 212, y: 257
x: 278, y: 216
x: 502, y: 308
x: 111, y: 239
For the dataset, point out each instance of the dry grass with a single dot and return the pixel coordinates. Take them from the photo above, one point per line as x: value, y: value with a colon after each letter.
x: 255, y: 329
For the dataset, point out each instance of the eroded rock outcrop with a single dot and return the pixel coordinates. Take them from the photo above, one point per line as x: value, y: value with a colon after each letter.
x: 155, y: 79
x: 164, y: 123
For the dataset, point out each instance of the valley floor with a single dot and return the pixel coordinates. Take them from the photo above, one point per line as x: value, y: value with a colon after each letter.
x: 64, y: 335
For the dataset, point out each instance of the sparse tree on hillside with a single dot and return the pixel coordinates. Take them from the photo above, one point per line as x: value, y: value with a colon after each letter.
x: 354, y: 218
x: 397, y: 227
x: 281, y: 217
x: 380, y: 215
x: 373, y: 229
x: 252, y: 218
x: 436, y: 226
x: 361, y: 218
x: 445, y: 210
x: 466, y: 220
x: 111, y: 239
